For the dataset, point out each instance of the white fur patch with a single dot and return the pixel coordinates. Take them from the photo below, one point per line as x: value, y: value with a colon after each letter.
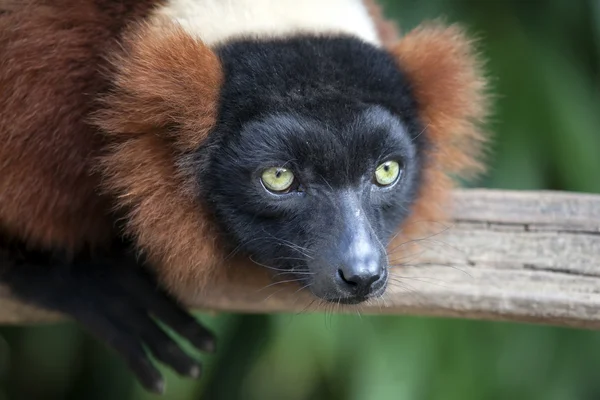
x: 214, y: 21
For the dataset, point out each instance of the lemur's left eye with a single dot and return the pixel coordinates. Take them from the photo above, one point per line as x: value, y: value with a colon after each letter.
x: 277, y: 179
x: 387, y: 173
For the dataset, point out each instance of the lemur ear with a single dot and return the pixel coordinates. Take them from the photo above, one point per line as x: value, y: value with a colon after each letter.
x: 166, y: 82
x: 450, y: 88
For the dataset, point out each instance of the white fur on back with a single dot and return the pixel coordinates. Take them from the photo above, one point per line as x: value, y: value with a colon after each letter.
x: 214, y: 21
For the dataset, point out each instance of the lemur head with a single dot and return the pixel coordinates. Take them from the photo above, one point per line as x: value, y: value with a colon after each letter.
x: 315, y: 159
x: 310, y: 155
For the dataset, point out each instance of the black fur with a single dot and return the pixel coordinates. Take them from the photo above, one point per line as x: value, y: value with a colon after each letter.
x: 330, y: 109
x: 112, y: 297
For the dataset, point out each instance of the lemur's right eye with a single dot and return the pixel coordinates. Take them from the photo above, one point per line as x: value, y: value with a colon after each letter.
x: 277, y: 180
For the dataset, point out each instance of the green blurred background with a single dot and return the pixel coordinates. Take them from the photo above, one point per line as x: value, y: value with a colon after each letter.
x: 544, y: 57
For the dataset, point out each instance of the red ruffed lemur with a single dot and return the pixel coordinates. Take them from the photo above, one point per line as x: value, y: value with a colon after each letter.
x: 143, y: 141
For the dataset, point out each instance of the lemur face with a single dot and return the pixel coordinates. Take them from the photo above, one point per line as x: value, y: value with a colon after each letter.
x: 313, y: 173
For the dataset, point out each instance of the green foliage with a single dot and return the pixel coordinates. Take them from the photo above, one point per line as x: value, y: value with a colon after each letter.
x: 544, y: 58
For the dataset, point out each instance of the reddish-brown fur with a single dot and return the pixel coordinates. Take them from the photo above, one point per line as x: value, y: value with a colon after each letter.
x: 9, y: 5
x: 163, y: 105
x: 450, y: 88
x: 49, y: 58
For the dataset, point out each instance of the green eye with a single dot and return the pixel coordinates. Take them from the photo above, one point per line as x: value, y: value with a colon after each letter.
x: 277, y: 179
x: 387, y: 173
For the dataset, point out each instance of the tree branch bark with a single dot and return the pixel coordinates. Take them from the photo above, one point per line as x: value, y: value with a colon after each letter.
x: 509, y: 255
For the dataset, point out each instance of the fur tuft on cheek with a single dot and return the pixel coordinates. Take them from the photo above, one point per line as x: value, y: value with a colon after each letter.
x: 165, y: 82
x: 450, y: 88
x: 449, y: 85
x: 162, y: 107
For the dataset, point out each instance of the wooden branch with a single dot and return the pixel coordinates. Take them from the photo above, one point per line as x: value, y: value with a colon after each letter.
x: 516, y: 256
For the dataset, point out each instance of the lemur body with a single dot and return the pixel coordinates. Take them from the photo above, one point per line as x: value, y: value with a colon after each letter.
x: 304, y: 135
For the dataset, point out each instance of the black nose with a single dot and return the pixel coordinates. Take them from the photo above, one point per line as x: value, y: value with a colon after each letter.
x: 359, y: 279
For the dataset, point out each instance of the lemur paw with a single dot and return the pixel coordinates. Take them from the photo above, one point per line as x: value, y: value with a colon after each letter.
x: 122, y: 306
x: 126, y: 316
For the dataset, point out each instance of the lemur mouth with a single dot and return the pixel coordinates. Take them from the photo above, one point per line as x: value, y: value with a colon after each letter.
x: 349, y: 300
x: 354, y: 300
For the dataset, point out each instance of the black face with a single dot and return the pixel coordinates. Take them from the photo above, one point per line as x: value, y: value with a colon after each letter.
x: 315, y: 160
